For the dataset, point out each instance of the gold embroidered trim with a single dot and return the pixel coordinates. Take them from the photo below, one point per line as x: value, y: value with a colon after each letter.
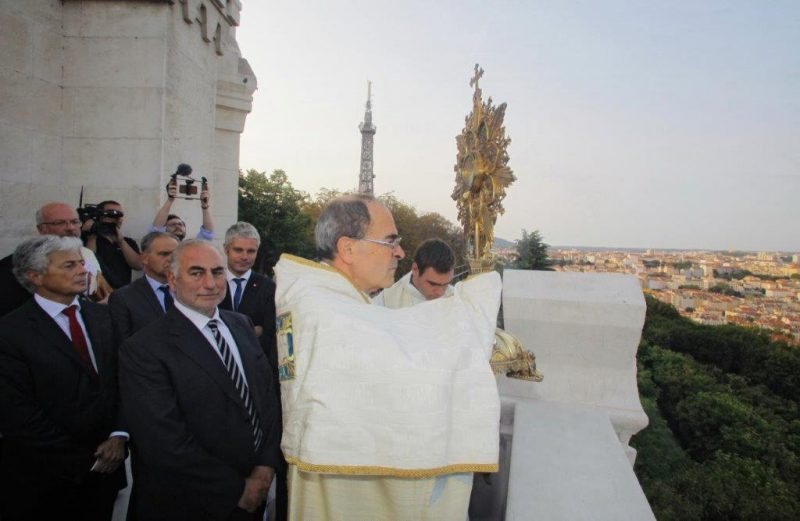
x: 326, y: 267
x: 361, y: 470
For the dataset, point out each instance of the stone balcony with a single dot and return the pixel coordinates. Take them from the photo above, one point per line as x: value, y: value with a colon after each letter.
x: 564, y: 451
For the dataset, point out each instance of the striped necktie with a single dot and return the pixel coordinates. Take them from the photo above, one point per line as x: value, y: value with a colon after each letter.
x: 238, y: 381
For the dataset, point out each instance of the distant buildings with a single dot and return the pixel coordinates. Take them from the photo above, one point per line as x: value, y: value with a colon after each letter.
x: 755, y: 290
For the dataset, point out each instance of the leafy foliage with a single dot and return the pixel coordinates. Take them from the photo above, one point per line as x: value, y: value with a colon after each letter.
x: 532, y: 252
x: 275, y: 208
x: 285, y: 217
x: 415, y: 228
x: 724, y: 437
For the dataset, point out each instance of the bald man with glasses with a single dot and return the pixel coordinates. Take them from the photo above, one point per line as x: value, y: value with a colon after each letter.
x: 62, y: 220
x: 377, y: 401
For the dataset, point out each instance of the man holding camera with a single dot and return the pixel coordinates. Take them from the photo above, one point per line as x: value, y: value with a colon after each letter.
x: 118, y: 255
x: 164, y: 221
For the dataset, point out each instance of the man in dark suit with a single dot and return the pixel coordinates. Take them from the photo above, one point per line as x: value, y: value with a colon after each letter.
x: 248, y: 292
x: 63, y: 442
x: 199, y: 401
x: 146, y: 299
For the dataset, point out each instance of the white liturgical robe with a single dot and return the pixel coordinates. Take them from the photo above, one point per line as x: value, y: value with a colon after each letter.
x: 368, y: 390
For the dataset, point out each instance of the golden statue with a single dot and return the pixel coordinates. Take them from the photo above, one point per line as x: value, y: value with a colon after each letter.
x: 482, y: 175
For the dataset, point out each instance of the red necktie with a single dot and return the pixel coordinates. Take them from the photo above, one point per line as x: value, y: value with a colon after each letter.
x: 78, y: 339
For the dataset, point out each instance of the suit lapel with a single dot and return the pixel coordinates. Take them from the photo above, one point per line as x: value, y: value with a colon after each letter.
x: 92, y: 322
x: 195, y: 346
x: 45, y: 326
x: 250, y: 293
x: 249, y: 353
x: 146, y: 292
x: 227, y: 302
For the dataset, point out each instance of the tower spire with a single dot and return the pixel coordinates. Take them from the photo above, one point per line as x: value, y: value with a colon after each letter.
x: 368, y: 130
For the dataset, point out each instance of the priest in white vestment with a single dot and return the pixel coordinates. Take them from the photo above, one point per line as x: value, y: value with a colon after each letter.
x: 386, y: 411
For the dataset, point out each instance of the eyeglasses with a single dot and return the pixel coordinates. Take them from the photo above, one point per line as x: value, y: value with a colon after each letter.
x: 73, y: 222
x: 394, y: 243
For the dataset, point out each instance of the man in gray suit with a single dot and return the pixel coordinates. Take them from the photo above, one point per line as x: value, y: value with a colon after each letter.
x: 146, y: 299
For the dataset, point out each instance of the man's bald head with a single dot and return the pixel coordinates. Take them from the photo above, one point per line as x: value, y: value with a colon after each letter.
x: 58, y: 219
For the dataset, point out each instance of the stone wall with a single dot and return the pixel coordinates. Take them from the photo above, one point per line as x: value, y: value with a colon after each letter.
x: 570, y: 458
x: 111, y: 96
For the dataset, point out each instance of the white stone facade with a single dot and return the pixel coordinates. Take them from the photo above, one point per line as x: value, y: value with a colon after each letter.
x: 111, y: 96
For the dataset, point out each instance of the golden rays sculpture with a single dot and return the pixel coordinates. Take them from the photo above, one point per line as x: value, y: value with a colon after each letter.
x: 482, y: 176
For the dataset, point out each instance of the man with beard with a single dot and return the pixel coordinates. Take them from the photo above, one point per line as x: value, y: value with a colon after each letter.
x: 164, y: 221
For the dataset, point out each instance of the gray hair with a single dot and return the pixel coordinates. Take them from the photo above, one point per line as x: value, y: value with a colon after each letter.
x: 34, y: 255
x: 243, y: 230
x: 177, y: 253
x: 346, y: 216
x: 39, y: 216
x: 148, y: 239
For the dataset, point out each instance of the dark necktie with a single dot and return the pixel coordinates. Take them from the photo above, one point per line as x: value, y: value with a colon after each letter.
x: 238, y: 381
x: 168, y: 300
x: 78, y: 338
x: 237, y: 295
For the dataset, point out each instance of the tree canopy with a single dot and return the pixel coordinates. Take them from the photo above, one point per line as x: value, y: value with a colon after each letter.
x: 724, y: 435
x: 532, y: 252
x: 285, y: 218
x: 276, y: 209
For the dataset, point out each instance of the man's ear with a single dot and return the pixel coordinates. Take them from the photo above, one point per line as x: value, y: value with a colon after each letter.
x: 34, y: 277
x: 344, y: 249
x: 414, y: 269
x: 171, y: 280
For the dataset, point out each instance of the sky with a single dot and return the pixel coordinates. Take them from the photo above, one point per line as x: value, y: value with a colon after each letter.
x: 642, y: 124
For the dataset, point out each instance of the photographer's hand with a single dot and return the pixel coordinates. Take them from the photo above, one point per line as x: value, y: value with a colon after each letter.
x: 160, y: 220
x: 205, y: 204
x: 132, y: 257
x: 172, y: 189
x: 88, y: 235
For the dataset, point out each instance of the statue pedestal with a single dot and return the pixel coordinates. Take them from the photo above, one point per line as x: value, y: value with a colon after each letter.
x: 566, y: 438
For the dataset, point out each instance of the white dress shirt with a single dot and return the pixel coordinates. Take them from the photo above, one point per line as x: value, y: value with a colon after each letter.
x: 56, y: 312
x: 200, y: 321
x: 159, y: 294
x: 232, y: 283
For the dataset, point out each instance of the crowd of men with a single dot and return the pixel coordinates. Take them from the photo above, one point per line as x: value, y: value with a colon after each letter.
x: 182, y: 369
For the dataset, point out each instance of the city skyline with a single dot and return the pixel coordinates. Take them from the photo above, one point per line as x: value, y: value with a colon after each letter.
x: 633, y: 125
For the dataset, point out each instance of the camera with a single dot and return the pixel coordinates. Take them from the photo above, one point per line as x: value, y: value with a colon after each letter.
x: 97, y: 214
x: 185, y: 182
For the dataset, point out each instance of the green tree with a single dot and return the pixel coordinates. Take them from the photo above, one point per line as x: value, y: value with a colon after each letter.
x: 532, y: 252
x: 416, y: 228
x: 275, y: 208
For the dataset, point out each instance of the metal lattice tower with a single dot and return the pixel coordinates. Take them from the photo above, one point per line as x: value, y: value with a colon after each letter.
x: 368, y: 130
